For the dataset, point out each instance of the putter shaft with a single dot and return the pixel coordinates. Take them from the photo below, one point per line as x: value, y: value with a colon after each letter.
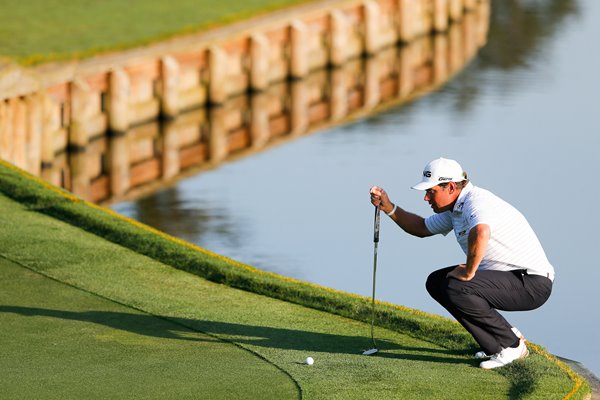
x: 375, y: 245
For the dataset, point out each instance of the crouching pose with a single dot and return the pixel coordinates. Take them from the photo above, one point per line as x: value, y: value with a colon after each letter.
x: 505, y: 269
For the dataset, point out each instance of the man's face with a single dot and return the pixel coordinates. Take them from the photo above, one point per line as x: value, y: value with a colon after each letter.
x: 441, y: 198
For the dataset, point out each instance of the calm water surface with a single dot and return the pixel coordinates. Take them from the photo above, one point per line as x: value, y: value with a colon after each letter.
x: 522, y: 118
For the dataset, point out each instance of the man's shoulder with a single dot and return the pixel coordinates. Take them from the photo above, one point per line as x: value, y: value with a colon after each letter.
x: 480, y: 194
x: 483, y: 200
x: 479, y: 199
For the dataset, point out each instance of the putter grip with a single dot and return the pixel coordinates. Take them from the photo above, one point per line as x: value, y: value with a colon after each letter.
x: 376, y: 226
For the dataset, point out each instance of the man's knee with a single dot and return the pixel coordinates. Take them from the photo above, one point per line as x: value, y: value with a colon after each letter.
x: 431, y: 284
x: 437, y: 283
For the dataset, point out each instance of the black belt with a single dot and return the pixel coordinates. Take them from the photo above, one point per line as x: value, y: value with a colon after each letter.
x: 548, y: 275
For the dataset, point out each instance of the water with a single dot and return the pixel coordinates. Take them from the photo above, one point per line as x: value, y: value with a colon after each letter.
x: 522, y: 119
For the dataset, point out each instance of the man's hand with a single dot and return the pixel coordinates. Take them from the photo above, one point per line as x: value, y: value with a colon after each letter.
x: 479, y: 236
x: 409, y: 222
x: 460, y: 273
x: 379, y: 198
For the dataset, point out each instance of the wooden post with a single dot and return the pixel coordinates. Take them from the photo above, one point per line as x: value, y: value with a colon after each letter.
x: 339, y: 93
x: 372, y: 85
x: 440, y: 15
x: 470, y: 4
x: 217, y: 142
x: 81, y: 113
x: 469, y: 36
x: 455, y: 9
x: 299, y: 109
x: 422, y: 23
x: 118, y: 158
x: 455, y: 48
x: 339, y: 38
x: 483, y: 21
x: 8, y: 141
x: 170, y: 154
x: 80, y: 179
x: 118, y: 101
x: 50, y: 123
x: 259, y: 56
x: 406, y: 28
x: 406, y: 80
x: 372, y: 15
x: 259, y: 126
x: 298, y: 56
x: 169, y: 102
x: 440, y: 58
x: 34, y: 133
x: 217, y: 66
x: 5, y: 129
x: 19, y: 133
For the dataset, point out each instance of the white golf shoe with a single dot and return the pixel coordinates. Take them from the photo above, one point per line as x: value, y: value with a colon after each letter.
x: 481, y: 354
x: 506, y: 356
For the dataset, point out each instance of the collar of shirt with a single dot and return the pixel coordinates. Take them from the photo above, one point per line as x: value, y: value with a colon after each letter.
x: 460, y: 202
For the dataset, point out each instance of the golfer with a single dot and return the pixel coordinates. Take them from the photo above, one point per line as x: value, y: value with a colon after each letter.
x: 505, y: 269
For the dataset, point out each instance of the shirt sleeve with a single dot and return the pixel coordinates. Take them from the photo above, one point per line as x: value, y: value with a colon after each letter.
x: 439, y: 223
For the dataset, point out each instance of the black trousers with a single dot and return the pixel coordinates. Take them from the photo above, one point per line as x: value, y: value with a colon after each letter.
x: 474, y: 304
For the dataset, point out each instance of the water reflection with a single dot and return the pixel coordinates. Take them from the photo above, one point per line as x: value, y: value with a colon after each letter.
x: 520, y: 37
x: 519, y: 31
x: 113, y: 168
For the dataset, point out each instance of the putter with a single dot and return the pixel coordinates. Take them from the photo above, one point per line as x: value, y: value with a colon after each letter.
x: 374, y: 349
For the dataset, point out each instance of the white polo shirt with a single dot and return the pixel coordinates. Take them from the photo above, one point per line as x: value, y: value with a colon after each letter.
x: 512, y: 245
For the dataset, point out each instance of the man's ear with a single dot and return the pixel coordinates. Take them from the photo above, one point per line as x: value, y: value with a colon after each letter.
x: 452, y: 187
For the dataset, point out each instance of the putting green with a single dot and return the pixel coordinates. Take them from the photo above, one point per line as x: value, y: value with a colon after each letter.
x: 59, y: 342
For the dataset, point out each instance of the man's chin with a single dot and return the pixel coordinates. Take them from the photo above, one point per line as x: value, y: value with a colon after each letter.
x: 437, y: 210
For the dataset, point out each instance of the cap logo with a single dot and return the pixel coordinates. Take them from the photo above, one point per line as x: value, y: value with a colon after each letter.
x: 427, y: 174
x: 443, y: 178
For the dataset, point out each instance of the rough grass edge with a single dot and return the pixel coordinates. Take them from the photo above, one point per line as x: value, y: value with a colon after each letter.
x: 46, y: 198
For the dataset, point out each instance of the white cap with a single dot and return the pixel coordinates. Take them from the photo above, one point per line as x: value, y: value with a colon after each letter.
x: 440, y: 171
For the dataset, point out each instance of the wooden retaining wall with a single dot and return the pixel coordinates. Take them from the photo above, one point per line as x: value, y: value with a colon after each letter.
x: 53, y: 117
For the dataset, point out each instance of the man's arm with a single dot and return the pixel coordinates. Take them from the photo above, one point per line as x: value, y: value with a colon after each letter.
x: 409, y: 222
x: 479, y: 237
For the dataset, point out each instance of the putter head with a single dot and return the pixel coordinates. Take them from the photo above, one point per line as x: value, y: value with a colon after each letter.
x: 370, y: 351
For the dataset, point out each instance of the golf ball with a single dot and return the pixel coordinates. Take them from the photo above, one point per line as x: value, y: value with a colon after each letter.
x: 309, y: 361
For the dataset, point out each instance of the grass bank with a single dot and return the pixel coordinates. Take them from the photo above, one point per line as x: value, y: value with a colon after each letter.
x: 36, y: 31
x: 423, y: 356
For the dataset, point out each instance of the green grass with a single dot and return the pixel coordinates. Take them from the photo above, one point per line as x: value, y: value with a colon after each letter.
x: 35, y: 31
x: 63, y: 343
x: 414, y: 362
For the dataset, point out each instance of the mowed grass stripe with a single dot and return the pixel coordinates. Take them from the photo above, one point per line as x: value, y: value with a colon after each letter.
x: 280, y: 332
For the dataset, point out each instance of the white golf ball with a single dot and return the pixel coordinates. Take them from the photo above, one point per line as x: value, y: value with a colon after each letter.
x: 309, y: 361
